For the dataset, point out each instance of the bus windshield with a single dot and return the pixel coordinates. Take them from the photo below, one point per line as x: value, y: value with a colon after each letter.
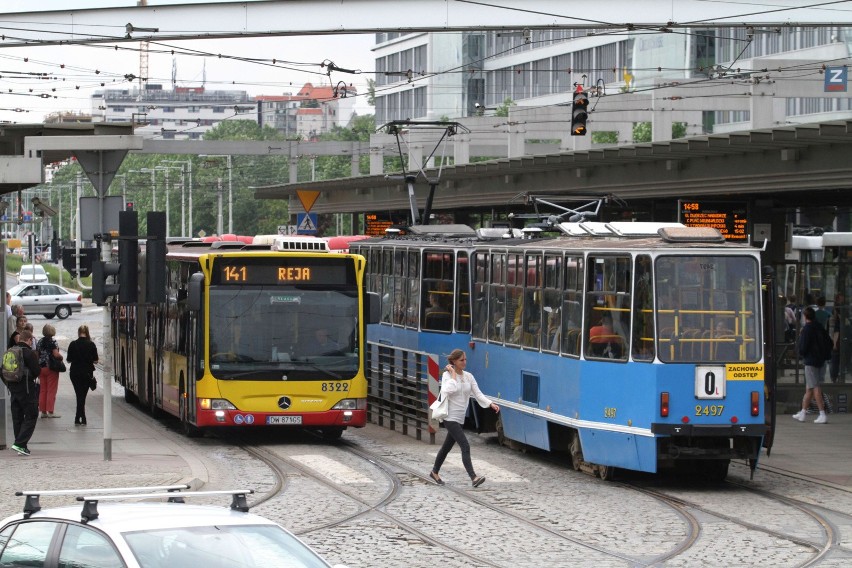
x: 708, y: 309
x: 258, y: 331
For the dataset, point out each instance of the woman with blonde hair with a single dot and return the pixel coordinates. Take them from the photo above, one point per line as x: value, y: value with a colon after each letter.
x: 82, y: 354
x: 47, y: 349
x: 459, y: 386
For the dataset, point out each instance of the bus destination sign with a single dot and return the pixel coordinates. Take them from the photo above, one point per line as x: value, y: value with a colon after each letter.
x: 730, y: 217
x: 294, y: 271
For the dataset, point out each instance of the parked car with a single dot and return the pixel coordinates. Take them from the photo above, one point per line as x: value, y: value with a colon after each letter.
x: 46, y: 299
x: 100, y: 534
x: 32, y: 273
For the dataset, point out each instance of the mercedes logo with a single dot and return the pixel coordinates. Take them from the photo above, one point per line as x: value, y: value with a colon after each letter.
x: 284, y: 402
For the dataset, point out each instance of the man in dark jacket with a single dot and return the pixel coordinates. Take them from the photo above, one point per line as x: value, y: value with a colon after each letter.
x: 814, y: 366
x: 24, y: 396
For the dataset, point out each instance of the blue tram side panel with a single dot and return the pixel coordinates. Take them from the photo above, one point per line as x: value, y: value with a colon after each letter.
x: 627, y: 345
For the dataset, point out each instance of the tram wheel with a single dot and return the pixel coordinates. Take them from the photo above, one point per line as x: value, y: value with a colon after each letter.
x: 606, y: 472
x: 576, y: 451
x: 501, y: 436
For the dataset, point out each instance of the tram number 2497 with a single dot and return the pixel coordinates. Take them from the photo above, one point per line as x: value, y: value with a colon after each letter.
x: 709, y: 410
x: 335, y: 387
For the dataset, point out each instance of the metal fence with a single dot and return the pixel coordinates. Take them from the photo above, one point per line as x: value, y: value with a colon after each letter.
x: 398, y: 389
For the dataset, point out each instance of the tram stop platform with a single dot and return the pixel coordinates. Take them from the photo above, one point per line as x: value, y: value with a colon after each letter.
x: 64, y: 456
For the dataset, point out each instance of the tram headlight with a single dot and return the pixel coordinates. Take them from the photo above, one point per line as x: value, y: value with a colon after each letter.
x: 216, y: 404
x: 351, y: 404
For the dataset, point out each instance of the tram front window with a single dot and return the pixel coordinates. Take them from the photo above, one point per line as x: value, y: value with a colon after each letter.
x: 708, y: 309
x: 257, y: 332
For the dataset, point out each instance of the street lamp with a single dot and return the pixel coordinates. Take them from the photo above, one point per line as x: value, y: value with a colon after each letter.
x: 230, y: 189
x: 183, y: 188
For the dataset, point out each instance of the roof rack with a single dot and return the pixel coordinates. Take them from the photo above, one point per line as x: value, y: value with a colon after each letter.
x: 32, y: 505
x: 90, y: 502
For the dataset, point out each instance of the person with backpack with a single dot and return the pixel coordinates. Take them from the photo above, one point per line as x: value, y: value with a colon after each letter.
x: 20, y: 370
x: 50, y: 360
x: 815, y: 346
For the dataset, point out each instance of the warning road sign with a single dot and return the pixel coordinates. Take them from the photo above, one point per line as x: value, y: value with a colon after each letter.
x: 306, y: 223
x: 308, y: 198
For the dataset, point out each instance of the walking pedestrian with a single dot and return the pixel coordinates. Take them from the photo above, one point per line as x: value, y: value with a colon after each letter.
x: 458, y: 386
x: 48, y: 378
x: 82, y: 355
x: 24, y: 396
x: 814, y: 358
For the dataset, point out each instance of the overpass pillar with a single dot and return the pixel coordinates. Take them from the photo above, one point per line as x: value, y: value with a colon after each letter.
x: 461, y: 149
x: 294, y: 169
x: 377, y: 160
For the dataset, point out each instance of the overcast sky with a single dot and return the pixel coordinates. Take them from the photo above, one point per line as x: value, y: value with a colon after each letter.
x: 79, y: 78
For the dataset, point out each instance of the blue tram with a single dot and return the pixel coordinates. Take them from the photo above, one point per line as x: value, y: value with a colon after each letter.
x: 626, y: 345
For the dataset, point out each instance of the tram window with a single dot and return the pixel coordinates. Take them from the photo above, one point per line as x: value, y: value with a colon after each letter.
x: 551, y: 310
x: 514, y: 298
x: 572, y: 313
x: 462, y: 293
x: 643, y: 311
x: 608, y: 307
x: 387, y: 285
x: 498, y: 321
x: 400, y: 290
x: 413, y: 308
x: 708, y: 309
x: 530, y: 331
x: 480, y: 304
x: 437, y: 299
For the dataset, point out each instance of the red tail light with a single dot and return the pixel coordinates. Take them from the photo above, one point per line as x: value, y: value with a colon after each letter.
x: 755, y: 403
x: 79, y: 297
x: 664, y: 404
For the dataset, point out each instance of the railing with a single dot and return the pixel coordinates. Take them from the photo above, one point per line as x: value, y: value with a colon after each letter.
x: 398, y: 389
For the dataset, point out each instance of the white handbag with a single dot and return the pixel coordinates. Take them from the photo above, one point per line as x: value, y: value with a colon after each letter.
x: 440, y: 408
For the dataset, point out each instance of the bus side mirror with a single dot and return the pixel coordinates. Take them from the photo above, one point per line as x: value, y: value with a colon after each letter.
x: 373, y: 307
x: 196, y: 290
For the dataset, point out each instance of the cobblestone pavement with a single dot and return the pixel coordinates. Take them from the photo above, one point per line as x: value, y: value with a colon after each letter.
x: 366, y: 501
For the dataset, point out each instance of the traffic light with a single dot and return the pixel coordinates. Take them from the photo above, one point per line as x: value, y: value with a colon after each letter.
x: 155, y: 258
x: 579, y: 112
x: 101, y: 290
x: 128, y: 257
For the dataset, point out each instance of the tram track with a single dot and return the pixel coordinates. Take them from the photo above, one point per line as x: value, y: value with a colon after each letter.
x: 480, y: 502
x: 274, y: 462
x: 819, y: 550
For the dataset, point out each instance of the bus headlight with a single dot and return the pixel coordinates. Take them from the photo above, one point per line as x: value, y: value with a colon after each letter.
x: 215, y: 404
x: 351, y: 404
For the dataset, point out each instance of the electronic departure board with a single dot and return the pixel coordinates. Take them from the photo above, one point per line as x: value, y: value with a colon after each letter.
x: 283, y: 271
x: 730, y: 217
x: 375, y: 224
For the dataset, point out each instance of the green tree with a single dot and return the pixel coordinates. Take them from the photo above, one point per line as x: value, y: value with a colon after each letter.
x: 605, y: 137
x: 242, y: 130
x: 371, y: 92
x: 503, y: 110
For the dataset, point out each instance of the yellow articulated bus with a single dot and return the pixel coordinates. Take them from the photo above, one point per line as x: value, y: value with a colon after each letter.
x: 249, y: 337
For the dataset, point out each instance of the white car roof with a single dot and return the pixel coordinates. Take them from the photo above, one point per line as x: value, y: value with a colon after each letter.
x: 116, y: 518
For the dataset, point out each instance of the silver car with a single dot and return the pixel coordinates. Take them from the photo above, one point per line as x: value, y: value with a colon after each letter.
x: 46, y: 299
x: 32, y: 273
x: 100, y: 533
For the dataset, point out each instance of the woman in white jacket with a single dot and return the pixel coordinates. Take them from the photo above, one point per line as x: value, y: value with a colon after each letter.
x: 458, y: 386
